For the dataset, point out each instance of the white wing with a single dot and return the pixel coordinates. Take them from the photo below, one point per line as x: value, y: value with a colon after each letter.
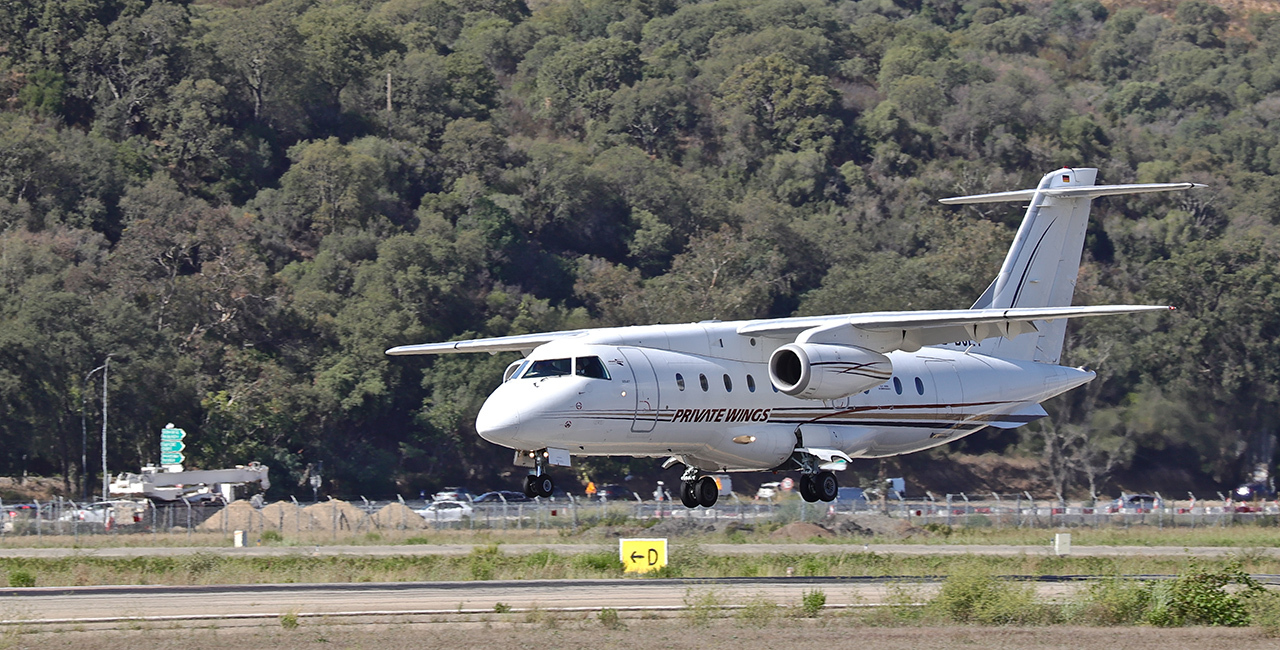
x: 520, y: 343
x: 909, y: 330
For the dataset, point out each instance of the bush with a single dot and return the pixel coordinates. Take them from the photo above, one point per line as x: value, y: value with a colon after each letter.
x: 972, y: 597
x: 1264, y: 612
x: 270, y: 536
x: 289, y: 621
x: 609, y: 619
x: 20, y: 578
x: 812, y: 602
x: 1114, y: 601
x: 1200, y: 597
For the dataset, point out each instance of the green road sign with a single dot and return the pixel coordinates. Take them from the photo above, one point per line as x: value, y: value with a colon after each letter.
x: 174, y: 458
x: 172, y: 434
x: 171, y: 446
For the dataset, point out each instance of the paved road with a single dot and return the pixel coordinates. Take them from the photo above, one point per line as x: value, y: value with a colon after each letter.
x: 571, y: 549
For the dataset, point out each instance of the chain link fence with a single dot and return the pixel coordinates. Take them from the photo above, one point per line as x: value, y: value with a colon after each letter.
x: 341, y: 519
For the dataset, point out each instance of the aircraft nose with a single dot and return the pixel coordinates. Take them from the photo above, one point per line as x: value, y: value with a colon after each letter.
x: 498, y: 423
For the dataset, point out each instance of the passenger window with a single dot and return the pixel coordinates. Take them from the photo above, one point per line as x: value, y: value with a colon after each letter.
x: 728, y: 384
x: 702, y: 379
x: 751, y: 383
x: 919, y: 386
x: 591, y: 367
x: 897, y: 385
x: 548, y: 368
x: 680, y: 381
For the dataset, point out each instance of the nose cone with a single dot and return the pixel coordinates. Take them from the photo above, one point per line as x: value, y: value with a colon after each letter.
x: 498, y: 422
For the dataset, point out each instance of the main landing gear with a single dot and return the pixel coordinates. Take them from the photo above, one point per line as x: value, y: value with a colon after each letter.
x: 698, y: 491
x: 820, y: 486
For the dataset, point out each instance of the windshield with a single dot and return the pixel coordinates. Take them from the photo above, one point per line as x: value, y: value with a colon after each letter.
x: 591, y: 367
x: 547, y: 368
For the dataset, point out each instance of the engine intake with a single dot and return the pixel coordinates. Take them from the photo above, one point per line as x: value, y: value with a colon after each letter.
x: 819, y: 371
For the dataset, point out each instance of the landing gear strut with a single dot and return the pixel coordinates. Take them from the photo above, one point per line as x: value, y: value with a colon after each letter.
x: 698, y: 490
x: 539, y: 483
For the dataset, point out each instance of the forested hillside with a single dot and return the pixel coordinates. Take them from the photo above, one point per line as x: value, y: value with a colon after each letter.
x: 245, y: 203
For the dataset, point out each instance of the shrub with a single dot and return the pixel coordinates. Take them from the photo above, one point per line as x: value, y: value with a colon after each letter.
x: 20, y: 578
x: 971, y: 597
x: 272, y: 536
x: 609, y: 619
x: 700, y: 608
x: 289, y: 621
x: 1200, y: 597
x: 501, y: 608
x: 1114, y: 601
x: 759, y: 612
x: 812, y: 602
x: 1264, y: 612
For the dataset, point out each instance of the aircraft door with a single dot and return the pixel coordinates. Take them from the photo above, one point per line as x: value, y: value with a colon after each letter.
x: 948, y: 393
x: 645, y: 388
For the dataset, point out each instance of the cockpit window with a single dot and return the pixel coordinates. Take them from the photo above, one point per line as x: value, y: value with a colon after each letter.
x: 547, y: 368
x: 591, y: 367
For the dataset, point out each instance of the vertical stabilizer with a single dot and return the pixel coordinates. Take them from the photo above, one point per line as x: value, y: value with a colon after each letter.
x: 1041, y: 267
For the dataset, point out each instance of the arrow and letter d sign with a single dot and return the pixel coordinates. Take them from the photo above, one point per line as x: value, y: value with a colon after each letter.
x: 642, y: 555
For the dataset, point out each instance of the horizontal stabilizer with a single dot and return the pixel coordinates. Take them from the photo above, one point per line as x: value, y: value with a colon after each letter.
x: 1090, y: 191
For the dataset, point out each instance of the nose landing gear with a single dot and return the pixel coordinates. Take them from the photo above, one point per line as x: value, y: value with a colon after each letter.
x: 539, y: 485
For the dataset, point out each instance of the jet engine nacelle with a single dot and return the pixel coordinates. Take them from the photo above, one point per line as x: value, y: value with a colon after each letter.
x: 824, y: 371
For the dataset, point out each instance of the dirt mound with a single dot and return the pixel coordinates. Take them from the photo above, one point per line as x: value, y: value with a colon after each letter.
x: 398, y: 516
x: 676, y: 527
x: 285, y: 517
x: 238, y: 515
x: 31, y: 488
x: 336, y: 514
x: 877, y: 525
x: 800, y: 530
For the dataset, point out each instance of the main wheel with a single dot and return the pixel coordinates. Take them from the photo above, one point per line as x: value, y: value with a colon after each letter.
x: 543, y: 485
x: 808, y: 491
x: 707, y: 491
x: 827, y: 487
x: 687, y: 495
x: 530, y: 490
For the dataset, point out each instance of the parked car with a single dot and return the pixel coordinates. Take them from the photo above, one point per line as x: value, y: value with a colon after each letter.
x: 118, y: 512
x: 1256, y: 490
x: 851, y: 495
x: 769, y: 491
x: 500, y: 495
x: 1135, y: 502
x: 615, y: 493
x: 453, y: 494
x: 445, y: 511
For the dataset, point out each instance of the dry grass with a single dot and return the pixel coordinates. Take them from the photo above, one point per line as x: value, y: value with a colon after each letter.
x: 642, y: 634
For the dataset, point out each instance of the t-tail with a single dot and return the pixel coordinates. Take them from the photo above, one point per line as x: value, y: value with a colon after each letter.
x: 1043, y: 263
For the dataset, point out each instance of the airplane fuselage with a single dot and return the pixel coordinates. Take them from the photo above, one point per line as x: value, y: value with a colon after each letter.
x: 702, y: 392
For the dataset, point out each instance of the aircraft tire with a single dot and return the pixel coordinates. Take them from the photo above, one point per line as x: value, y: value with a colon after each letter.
x: 530, y: 490
x: 808, y: 488
x: 707, y: 491
x: 826, y: 486
x: 687, y: 494
x: 543, y: 485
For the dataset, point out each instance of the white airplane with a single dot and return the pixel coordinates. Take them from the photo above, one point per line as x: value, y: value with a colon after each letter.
x: 807, y: 393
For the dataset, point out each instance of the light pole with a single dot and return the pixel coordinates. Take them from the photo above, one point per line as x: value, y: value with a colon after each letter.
x: 84, y: 429
x: 106, y: 478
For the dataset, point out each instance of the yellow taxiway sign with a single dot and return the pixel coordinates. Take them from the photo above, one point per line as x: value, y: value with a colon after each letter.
x: 642, y: 555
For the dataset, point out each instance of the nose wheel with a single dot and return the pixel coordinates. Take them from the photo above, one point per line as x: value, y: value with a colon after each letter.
x: 538, y: 485
x: 822, y: 486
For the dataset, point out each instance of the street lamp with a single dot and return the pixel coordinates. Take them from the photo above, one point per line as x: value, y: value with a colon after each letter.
x: 84, y: 432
